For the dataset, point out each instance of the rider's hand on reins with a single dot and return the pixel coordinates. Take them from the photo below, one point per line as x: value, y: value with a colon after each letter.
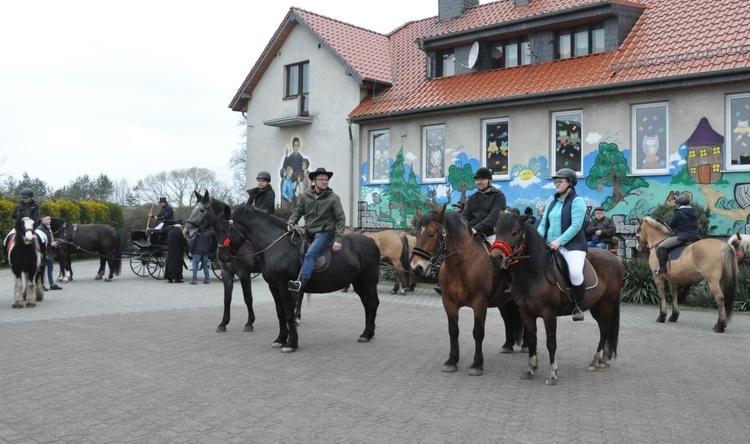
x: 289, y: 227
x: 336, y: 246
x: 554, y: 245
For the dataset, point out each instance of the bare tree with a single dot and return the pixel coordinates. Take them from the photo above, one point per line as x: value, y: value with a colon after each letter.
x: 178, y: 186
x: 238, y: 164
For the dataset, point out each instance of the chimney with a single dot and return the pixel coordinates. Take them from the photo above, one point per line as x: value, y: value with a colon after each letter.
x: 522, y: 3
x: 454, y: 8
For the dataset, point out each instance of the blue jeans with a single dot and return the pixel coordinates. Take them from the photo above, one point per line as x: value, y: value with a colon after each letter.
x: 320, y: 243
x: 50, y: 264
x: 197, y: 258
x: 597, y: 244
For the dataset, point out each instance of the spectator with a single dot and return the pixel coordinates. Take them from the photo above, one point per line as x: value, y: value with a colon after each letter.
x: 199, y: 249
x: 600, y: 231
x: 540, y: 207
x: 45, y: 228
x: 529, y: 212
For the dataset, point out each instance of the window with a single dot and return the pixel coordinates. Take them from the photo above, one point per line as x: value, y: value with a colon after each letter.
x: 433, y: 153
x: 379, y: 156
x: 738, y: 133
x: 649, y: 142
x: 509, y: 53
x: 495, y: 149
x: 298, y: 84
x: 446, y: 64
x: 579, y: 41
x: 567, y: 128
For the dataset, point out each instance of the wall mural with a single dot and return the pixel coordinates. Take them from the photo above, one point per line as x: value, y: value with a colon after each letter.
x: 694, y: 169
x: 294, y: 171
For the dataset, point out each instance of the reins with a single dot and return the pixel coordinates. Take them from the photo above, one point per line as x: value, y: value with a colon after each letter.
x: 437, y: 256
x: 225, y: 244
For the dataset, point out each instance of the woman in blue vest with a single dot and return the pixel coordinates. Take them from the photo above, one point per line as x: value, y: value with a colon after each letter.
x: 562, y: 225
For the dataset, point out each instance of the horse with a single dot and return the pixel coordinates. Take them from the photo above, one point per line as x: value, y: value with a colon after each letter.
x: 395, y: 251
x: 741, y: 245
x: 357, y: 263
x: 209, y: 213
x: 709, y: 259
x: 539, y: 290
x: 467, y: 279
x: 26, y: 258
x: 97, y: 239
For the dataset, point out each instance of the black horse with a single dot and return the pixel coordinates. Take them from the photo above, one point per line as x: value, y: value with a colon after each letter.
x: 357, y: 263
x: 96, y: 239
x: 209, y: 213
x: 26, y: 257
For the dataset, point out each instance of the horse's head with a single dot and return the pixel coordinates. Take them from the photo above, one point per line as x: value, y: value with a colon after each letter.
x: 741, y: 246
x: 25, y: 228
x: 649, y: 232
x: 201, y: 217
x: 509, y: 238
x: 430, y: 240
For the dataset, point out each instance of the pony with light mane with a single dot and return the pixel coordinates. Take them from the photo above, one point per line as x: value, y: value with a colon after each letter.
x: 741, y: 245
x: 25, y: 254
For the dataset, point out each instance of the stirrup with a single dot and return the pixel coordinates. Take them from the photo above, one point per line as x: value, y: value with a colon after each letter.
x: 660, y: 270
x: 295, y: 286
x: 577, y: 314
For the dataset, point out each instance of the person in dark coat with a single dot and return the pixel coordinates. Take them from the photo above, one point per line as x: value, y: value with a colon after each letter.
x: 199, y: 249
x: 483, y: 207
x: 685, y: 225
x: 529, y: 212
x: 262, y: 197
x: 26, y: 207
x: 165, y: 216
x: 601, y: 229
x: 176, y: 248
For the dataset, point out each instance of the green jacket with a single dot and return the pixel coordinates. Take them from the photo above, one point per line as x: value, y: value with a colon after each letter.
x: 323, y: 212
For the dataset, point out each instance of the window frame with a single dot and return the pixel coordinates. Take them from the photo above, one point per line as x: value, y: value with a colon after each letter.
x: 731, y: 140
x: 431, y: 178
x: 554, y: 140
x: 639, y: 112
x: 570, y: 33
x: 302, y: 84
x: 441, y: 59
x: 486, y: 135
x: 522, y: 49
x: 374, y: 134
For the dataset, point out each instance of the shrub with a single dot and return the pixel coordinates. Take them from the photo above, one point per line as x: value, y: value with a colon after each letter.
x: 638, y: 287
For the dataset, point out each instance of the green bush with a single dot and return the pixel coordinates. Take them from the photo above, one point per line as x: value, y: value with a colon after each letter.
x: 638, y: 287
x: 742, y: 299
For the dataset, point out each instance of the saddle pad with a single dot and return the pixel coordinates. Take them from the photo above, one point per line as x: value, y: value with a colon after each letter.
x: 590, y: 278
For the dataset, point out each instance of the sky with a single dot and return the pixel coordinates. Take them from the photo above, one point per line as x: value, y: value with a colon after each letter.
x: 130, y: 89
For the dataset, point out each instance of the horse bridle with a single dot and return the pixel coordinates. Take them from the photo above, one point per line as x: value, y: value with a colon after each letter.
x: 227, y: 243
x: 512, y: 255
x: 439, y: 254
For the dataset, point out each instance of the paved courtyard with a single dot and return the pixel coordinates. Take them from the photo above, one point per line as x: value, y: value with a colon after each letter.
x: 137, y: 360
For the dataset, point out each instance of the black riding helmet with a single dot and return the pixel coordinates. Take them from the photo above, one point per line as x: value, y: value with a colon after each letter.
x: 682, y: 200
x: 567, y: 173
x: 264, y: 175
x: 26, y: 192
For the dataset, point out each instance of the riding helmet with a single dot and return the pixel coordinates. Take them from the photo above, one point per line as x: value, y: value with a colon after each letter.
x: 567, y: 173
x: 264, y: 175
x: 483, y: 173
x: 26, y: 192
x: 682, y: 200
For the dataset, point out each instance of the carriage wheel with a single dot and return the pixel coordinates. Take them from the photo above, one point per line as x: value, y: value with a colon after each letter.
x: 156, y: 263
x: 138, y: 264
x: 216, y: 269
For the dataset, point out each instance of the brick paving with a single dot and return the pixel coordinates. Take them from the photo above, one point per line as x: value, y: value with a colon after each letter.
x: 137, y: 360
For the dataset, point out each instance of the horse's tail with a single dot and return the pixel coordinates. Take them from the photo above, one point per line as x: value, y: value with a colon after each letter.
x: 405, y: 262
x: 613, y: 336
x: 116, y: 265
x: 728, y: 280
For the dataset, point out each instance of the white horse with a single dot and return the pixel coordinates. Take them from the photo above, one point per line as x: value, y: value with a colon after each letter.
x: 741, y: 245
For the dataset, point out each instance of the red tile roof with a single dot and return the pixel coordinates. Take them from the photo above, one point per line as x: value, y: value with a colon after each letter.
x: 672, y: 38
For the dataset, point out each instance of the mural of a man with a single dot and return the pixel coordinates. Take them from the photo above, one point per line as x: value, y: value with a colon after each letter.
x: 294, y: 159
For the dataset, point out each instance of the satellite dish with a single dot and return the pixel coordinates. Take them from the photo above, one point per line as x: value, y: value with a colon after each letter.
x: 473, y: 54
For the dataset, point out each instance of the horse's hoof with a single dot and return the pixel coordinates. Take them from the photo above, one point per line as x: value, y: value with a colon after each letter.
x: 108, y: 280
x: 17, y: 305
x: 31, y: 305
x: 393, y: 292
x: 661, y: 319
x: 476, y: 372
x: 592, y: 368
x: 221, y: 329
x: 248, y: 328
x: 449, y: 369
x: 604, y: 365
x: 550, y: 382
x: 287, y: 349
x: 98, y: 278
x: 527, y: 376
x: 277, y: 345
x: 673, y: 318
x: 506, y: 350
x: 718, y: 328
x: 363, y: 339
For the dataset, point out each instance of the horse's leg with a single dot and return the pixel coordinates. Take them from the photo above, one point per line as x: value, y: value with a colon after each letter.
x: 227, y: 278
x: 100, y: 273
x: 715, y: 286
x: 247, y: 294
x: 480, y: 316
x: 660, y: 282
x: 509, y: 313
x: 298, y: 309
x: 451, y: 310
x: 277, y: 293
x: 529, y: 334
x: 292, y: 340
x: 675, y: 307
x: 550, y: 327
x: 30, y: 290
x: 110, y: 263
x: 18, y: 293
x: 368, y: 295
x: 397, y: 281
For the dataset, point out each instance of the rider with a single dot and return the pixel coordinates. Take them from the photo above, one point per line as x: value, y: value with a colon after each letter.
x: 26, y: 207
x: 685, y: 225
x: 562, y: 226
x: 483, y: 207
x: 262, y: 197
x: 325, y: 221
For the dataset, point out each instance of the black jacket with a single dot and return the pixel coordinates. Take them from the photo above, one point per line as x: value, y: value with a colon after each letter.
x: 166, y: 214
x: 30, y: 210
x: 685, y: 223
x: 483, y: 209
x: 607, y: 226
x: 262, y: 199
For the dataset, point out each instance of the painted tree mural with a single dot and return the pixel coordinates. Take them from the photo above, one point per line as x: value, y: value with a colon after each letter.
x: 403, y: 196
x: 461, y: 179
x: 611, y: 170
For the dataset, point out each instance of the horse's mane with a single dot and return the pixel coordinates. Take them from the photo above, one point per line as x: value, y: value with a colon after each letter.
x: 658, y: 225
x: 740, y: 243
x: 455, y: 225
x: 536, y: 245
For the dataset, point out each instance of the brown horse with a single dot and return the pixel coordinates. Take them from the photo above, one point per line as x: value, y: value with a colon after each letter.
x: 395, y: 249
x: 539, y: 290
x: 709, y: 259
x: 467, y: 279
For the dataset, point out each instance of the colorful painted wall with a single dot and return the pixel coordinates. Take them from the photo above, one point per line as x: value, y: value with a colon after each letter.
x: 695, y: 168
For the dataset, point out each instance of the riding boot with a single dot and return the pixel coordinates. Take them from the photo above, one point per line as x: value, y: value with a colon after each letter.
x: 297, y: 287
x: 662, y: 254
x: 579, y: 292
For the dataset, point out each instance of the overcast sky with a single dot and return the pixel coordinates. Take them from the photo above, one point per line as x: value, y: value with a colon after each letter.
x: 134, y: 88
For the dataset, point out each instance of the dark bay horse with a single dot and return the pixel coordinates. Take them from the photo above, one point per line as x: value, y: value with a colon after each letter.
x: 26, y: 258
x: 209, y: 213
x: 467, y: 279
x: 537, y: 290
x: 95, y: 239
x: 709, y: 259
x: 357, y: 263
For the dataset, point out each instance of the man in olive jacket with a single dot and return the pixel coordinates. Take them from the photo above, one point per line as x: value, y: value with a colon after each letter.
x: 324, y: 223
x: 483, y: 207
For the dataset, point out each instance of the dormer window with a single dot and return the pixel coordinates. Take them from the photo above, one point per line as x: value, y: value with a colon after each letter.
x: 446, y: 63
x: 508, y: 53
x: 579, y: 41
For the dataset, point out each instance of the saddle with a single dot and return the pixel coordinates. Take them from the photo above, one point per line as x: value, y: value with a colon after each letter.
x: 562, y: 276
x: 321, y: 263
x: 675, y: 252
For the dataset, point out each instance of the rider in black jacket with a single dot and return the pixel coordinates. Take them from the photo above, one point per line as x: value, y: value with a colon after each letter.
x: 685, y: 225
x: 262, y: 197
x: 483, y: 207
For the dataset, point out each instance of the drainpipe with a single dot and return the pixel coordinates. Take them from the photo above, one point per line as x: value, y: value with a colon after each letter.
x: 353, y: 174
